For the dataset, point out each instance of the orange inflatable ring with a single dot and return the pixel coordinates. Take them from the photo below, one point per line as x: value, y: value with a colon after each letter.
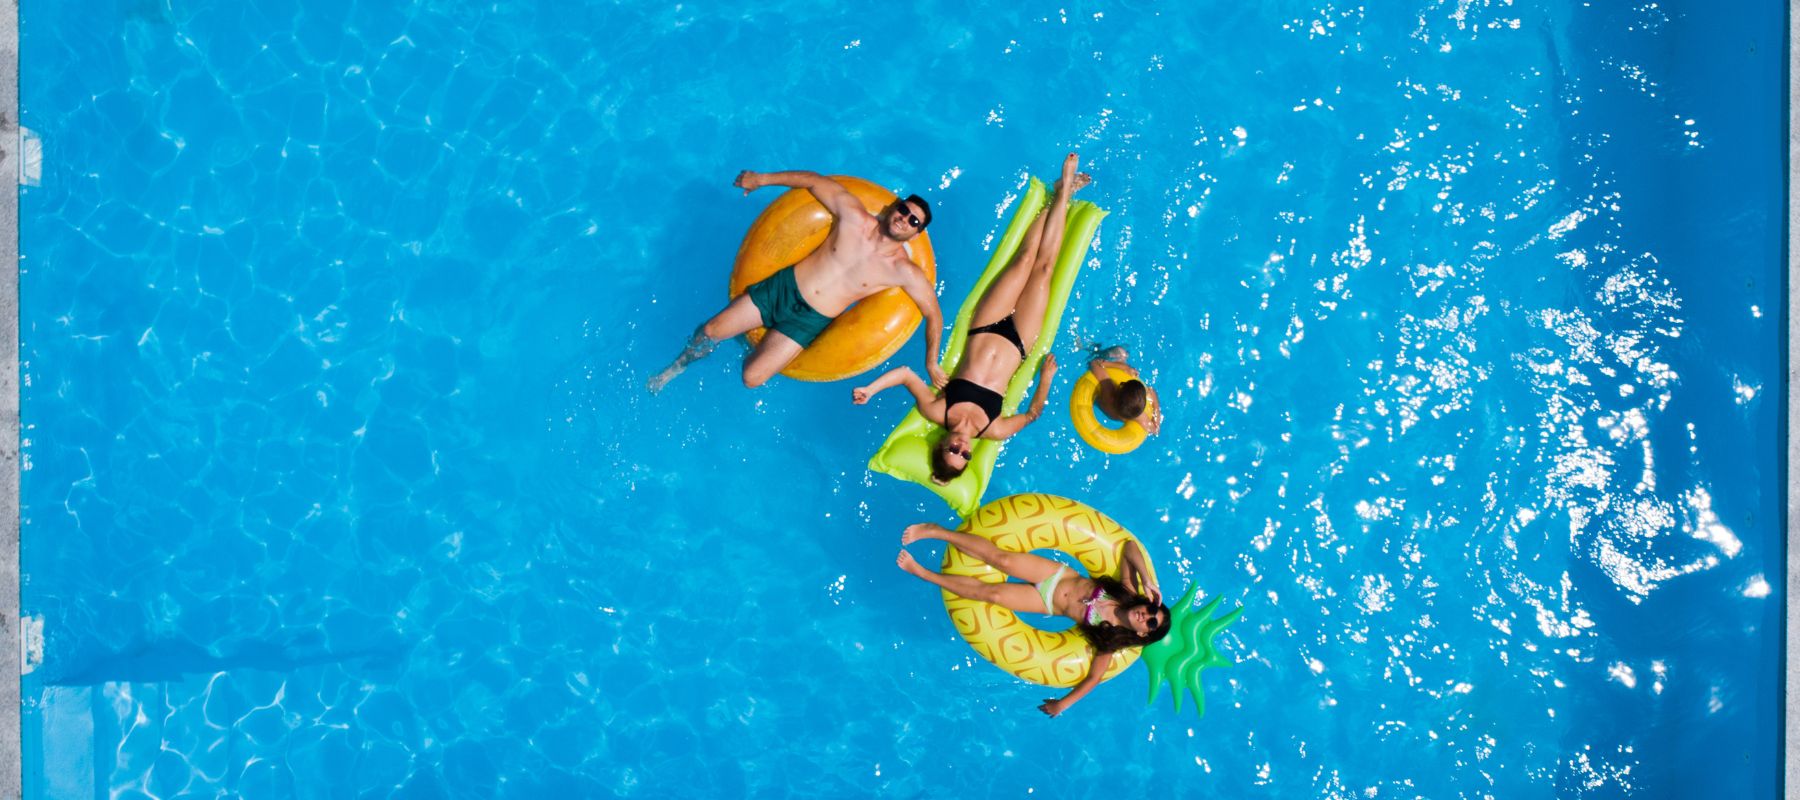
x: 867, y: 332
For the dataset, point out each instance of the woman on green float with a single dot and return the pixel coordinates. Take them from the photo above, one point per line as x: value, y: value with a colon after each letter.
x: 1112, y: 614
x: 1005, y: 326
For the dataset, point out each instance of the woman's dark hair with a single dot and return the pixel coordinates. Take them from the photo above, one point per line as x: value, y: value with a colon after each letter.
x: 1107, y: 637
x: 941, y: 471
x: 1132, y: 398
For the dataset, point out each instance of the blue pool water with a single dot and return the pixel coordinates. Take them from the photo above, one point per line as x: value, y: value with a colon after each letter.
x: 341, y: 481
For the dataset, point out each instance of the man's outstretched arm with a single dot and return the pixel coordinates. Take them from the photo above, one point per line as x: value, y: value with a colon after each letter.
x: 836, y: 199
x: 924, y: 295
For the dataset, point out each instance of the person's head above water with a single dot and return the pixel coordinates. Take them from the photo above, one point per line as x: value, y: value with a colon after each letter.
x: 1132, y: 397
x: 1145, y: 622
x: 906, y: 218
x: 950, y: 456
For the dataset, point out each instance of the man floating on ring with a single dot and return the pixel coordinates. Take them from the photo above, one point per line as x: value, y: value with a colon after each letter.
x: 863, y: 254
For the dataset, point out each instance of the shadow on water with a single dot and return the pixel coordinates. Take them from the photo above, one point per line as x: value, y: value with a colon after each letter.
x: 688, y: 260
x: 597, y: 400
x: 174, y: 660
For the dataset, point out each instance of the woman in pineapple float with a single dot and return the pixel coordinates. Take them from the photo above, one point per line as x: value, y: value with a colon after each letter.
x: 1108, y: 612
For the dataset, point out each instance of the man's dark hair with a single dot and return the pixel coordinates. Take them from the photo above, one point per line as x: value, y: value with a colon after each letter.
x: 924, y: 210
x: 1133, y: 396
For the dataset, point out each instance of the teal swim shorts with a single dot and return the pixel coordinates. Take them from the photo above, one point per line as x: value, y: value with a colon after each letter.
x: 784, y: 309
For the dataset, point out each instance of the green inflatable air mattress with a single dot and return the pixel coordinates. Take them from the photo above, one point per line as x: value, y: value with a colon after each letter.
x: 907, y: 452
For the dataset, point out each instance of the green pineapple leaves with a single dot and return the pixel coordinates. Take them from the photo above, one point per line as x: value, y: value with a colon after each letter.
x: 1188, y: 649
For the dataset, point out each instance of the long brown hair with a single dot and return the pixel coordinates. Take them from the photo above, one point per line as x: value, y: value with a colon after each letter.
x: 941, y: 471
x: 1107, y: 637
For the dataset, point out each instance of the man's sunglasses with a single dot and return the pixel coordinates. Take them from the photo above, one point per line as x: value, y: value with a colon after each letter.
x: 905, y: 212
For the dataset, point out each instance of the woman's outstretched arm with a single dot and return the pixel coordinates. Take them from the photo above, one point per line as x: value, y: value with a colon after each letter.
x: 1004, y: 428
x: 1135, y: 574
x: 898, y: 376
x: 1096, y: 671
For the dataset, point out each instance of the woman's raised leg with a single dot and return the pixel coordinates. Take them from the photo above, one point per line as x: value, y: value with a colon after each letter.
x: 1024, y: 566
x: 1034, y: 298
x: 1015, y: 596
x: 1003, y: 293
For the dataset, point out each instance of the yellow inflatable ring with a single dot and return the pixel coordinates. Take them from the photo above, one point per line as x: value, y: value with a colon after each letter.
x: 1087, y: 425
x: 866, y: 333
x: 1023, y: 523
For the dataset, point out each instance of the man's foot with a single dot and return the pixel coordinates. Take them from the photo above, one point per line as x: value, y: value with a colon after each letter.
x: 661, y: 379
x: 921, y: 530
x: 906, y: 563
x: 699, y: 346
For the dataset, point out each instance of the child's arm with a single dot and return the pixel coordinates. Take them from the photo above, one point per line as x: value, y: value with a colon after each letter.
x: 1099, y: 366
x: 1096, y: 671
x: 1152, y: 417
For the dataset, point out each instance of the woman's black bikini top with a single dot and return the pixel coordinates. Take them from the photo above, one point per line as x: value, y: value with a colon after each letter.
x: 961, y: 391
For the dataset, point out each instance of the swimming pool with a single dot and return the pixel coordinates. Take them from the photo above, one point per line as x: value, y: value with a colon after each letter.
x: 340, y: 479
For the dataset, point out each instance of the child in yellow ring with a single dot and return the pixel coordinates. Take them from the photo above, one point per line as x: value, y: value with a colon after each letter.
x: 1108, y: 613
x: 1125, y: 401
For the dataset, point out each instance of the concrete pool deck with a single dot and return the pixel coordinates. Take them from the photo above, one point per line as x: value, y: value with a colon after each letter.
x: 11, y: 760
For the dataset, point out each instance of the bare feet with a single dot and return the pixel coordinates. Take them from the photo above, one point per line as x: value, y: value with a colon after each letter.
x: 1076, y: 182
x: 699, y: 346
x: 1070, y: 177
x: 905, y: 562
x: 661, y: 379
x: 1079, y: 180
x: 920, y: 530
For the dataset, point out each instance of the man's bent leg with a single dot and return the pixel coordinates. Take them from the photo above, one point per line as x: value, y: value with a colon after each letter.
x: 770, y: 358
x: 739, y: 317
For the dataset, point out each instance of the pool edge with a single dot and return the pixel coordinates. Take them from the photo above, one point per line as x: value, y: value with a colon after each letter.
x: 1791, y: 709
x: 11, y: 760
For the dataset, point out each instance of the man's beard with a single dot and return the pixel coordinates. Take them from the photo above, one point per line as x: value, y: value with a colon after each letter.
x: 887, y: 228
